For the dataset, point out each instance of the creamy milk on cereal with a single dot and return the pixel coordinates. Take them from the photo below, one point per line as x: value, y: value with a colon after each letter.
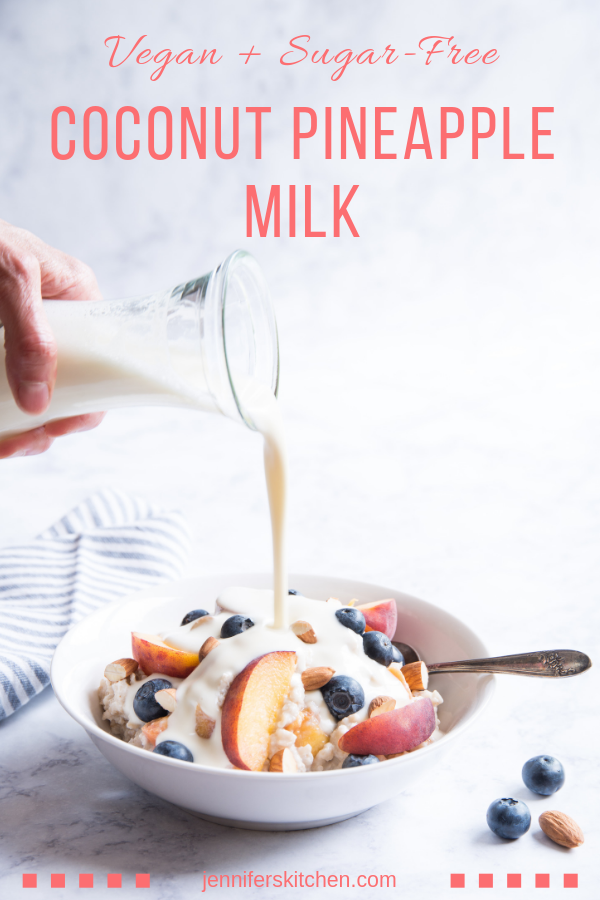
x: 337, y: 647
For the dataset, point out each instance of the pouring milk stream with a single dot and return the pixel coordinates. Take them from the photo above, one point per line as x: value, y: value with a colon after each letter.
x: 210, y: 344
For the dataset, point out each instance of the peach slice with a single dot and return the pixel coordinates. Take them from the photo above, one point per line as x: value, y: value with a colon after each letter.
x: 251, y: 708
x: 153, y: 655
x: 382, y: 615
x: 151, y: 730
x: 392, y: 732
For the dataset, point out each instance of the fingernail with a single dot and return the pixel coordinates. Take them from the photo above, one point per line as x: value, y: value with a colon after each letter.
x: 34, y: 396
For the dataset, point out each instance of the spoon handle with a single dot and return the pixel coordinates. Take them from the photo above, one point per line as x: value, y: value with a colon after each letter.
x: 548, y: 663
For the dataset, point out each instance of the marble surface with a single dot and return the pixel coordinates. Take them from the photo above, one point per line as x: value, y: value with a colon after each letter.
x: 439, y: 384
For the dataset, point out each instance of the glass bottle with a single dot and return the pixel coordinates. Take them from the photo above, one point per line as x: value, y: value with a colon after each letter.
x: 195, y: 346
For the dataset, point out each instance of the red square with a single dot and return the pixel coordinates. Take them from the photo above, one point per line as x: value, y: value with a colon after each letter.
x: 31, y: 880
x: 486, y: 881
x: 57, y: 881
x: 570, y: 881
x: 142, y: 881
x: 542, y: 881
x: 86, y: 881
x: 113, y: 881
x: 457, y: 881
x: 513, y: 881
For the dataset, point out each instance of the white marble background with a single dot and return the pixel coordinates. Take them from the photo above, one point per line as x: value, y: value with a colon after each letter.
x: 439, y: 382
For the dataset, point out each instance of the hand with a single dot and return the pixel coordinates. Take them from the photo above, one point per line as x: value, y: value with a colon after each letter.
x: 30, y: 270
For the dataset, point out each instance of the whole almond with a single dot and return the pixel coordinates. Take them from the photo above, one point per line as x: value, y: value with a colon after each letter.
x: 209, y: 644
x: 317, y: 677
x: 120, y: 669
x: 561, y: 829
x: 283, y: 761
x: 304, y: 631
x: 205, y: 724
x: 167, y: 699
x: 380, y: 705
x: 416, y: 675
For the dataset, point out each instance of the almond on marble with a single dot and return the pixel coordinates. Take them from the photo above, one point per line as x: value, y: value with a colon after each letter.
x: 561, y: 829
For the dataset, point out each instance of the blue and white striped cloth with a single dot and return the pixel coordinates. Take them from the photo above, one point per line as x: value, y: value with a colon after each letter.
x: 110, y: 545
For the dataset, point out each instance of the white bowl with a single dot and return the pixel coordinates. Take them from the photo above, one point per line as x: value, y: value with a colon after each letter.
x: 260, y: 800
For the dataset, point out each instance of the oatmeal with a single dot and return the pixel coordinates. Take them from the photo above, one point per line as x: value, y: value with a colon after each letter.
x: 233, y: 691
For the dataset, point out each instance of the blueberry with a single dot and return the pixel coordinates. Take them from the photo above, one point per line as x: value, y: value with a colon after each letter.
x: 145, y: 706
x: 378, y: 646
x: 343, y: 696
x: 508, y: 818
x: 235, y: 625
x: 397, y: 656
x: 293, y: 592
x: 543, y: 775
x: 353, y: 760
x: 174, y: 749
x: 194, y: 614
x: 351, y: 618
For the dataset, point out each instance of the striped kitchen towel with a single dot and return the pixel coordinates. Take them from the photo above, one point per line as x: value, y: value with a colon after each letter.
x: 110, y: 545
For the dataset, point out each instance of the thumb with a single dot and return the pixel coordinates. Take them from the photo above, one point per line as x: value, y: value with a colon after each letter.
x: 30, y: 346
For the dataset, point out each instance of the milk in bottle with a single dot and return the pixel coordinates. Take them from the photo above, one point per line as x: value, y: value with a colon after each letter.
x: 210, y: 344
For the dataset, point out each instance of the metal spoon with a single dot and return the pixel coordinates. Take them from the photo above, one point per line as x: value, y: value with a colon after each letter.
x: 547, y: 663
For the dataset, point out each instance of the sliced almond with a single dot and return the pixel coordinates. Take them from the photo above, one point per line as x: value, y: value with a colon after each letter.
x: 317, y: 677
x: 201, y: 621
x: 416, y: 675
x: 352, y: 602
x: 396, y: 670
x: 304, y: 631
x: 167, y: 699
x: 381, y: 705
x: 205, y: 724
x: 283, y: 761
x: 561, y: 829
x: 120, y: 669
x: 151, y: 730
x: 208, y: 645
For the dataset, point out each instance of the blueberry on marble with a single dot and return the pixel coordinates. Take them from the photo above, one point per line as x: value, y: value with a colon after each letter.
x: 397, y: 656
x: 508, y: 818
x: 343, y: 696
x: 353, y: 760
x: 351, y: 618
x: 543, y: 775
x: 235, y: 625
x: 175, y: 750
x: 145, y: 706
x: 193, y: 615
x: 378, y: 646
